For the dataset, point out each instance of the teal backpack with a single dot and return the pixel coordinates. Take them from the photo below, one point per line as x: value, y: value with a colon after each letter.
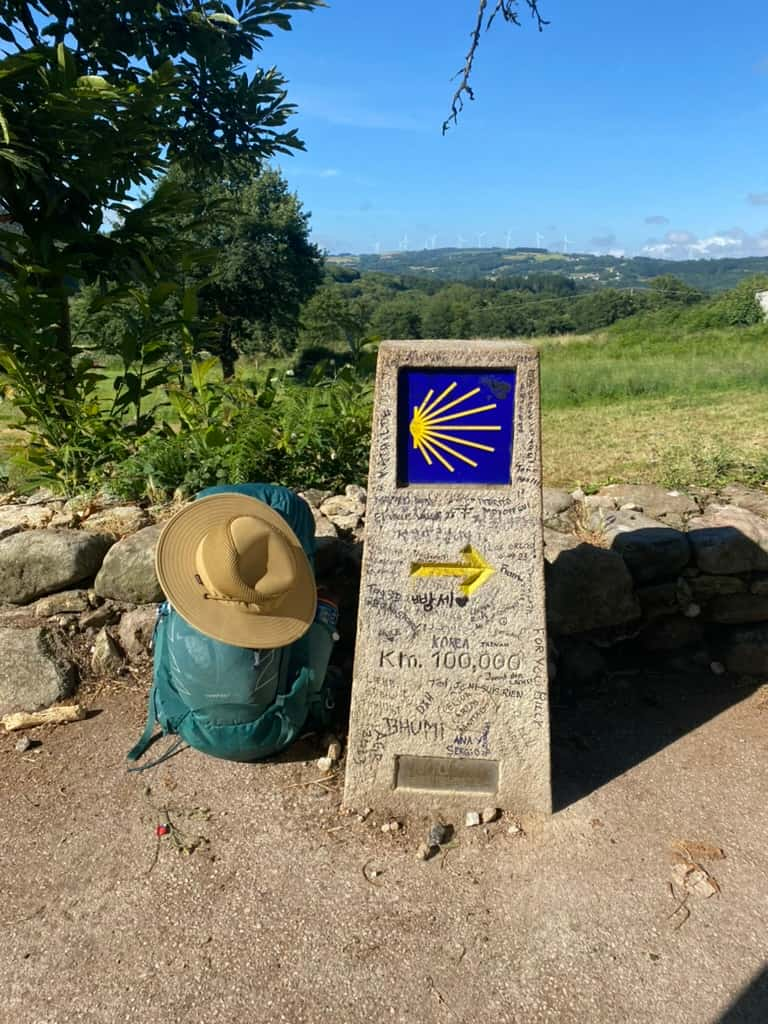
x: 234, y: 702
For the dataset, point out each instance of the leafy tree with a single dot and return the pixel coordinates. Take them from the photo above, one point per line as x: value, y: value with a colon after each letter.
x: 670, y: 290
x: 263, y: 266
x: 602, y: 308
x: 736, y: 308
x: 96, y: 101
x: 332, y: 316
x: 399, y: 317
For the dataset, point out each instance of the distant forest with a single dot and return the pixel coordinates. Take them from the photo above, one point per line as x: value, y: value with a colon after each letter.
x: 356, y: 306
x: 591, y: 270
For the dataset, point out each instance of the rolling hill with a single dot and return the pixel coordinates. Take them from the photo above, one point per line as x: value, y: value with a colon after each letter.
x: 588, y: 270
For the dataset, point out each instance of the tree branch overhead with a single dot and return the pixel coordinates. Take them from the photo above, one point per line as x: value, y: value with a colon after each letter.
x: 510, y: 12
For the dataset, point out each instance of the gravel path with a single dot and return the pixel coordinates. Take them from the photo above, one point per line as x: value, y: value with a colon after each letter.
x: 294, y: 911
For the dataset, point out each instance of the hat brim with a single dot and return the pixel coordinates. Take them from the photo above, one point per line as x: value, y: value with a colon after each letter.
x: 228, y: 622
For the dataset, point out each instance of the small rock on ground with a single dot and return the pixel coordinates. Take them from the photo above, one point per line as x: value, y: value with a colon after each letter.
x: 439, y: 834
x: 106, y: 656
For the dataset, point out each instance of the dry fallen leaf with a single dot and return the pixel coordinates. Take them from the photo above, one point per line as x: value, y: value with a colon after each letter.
x: 693, y: 850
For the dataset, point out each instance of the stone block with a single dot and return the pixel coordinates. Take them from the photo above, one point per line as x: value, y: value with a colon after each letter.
x: 128, y: 573
x: 737, y: 608
x: 555, y: 502
x: 750, y: 498
x: 728, y: 540
x: 136, y: 630
x: 119, y: 519
x: 669, y: 507
x: 39, y: 562
x: 589, y: 588
x: 704, y: 588
x: 66, y: 601
x: 35, y: 671
x: 650, y: 550
x: 450, y: 703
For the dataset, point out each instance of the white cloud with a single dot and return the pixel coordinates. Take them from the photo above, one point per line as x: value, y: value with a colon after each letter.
x: 314, y: 172
x: 683, y: 245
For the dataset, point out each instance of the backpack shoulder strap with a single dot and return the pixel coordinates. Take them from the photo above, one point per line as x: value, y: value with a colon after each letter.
x: 154, y: 715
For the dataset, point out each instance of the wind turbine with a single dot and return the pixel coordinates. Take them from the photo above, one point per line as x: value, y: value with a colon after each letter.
x: 509, y: 239
x: 460, y: 241
x: 404, y: 243
x: 480, y: 236
x: 566, y: 241
x: 377, y: 247
x: 539, y: 239
x: 434, y: 240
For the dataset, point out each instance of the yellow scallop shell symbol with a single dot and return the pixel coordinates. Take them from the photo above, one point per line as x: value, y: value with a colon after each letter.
x: 429, y: 433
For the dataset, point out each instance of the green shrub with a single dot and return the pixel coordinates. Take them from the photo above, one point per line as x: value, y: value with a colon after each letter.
x: 299, y: 437
x: 735, y: 308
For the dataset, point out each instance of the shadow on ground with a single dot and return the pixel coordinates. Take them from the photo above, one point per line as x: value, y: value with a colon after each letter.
x: 598, y: 736
x: 605, y: 727
x: 751, y: 1007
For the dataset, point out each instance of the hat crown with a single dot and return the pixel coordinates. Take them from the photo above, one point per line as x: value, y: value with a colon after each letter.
x: 246, y: 561
x: 231, y: 565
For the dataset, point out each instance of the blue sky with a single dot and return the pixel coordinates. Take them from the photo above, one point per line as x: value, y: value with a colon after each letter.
x: 624, y: 127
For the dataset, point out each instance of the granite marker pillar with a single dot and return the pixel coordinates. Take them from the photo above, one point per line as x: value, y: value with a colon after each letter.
x: 449, y: 703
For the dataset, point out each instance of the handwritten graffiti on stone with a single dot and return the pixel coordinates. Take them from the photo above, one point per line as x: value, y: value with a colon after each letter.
x: 467, y: 744
x: 441, y: 673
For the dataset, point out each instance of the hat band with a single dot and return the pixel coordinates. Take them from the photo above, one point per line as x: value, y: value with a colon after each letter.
x: 250, y: 605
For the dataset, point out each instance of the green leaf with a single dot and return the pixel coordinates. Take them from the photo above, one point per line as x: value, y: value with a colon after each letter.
x: 95, y: 82
x: 66, y: 62
x: 200, y: 371
x: 161, y: 292
x: 225, y: 19
x: 189, y: 304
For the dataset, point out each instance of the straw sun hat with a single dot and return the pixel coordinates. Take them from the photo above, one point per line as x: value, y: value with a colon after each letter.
x: 233, y: 568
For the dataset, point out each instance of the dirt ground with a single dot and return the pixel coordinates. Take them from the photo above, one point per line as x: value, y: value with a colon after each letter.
x: 291, y: 910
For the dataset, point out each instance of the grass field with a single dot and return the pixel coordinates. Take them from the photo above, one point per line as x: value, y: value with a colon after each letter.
x: 635, y: 404
x: 629, y: 406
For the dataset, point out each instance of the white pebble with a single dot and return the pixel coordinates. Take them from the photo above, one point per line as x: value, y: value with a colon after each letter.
x: 334, y: 751
x: 471, y: 818
x: 489, y: 814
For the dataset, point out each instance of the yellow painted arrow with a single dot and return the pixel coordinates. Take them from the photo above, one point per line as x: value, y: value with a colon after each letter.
x: 475, y: 570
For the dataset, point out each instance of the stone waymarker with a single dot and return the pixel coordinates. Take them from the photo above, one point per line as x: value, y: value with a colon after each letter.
x: 449, y: 703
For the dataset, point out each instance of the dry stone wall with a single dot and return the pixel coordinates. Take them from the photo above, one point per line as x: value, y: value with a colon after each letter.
x: 677, y: 578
